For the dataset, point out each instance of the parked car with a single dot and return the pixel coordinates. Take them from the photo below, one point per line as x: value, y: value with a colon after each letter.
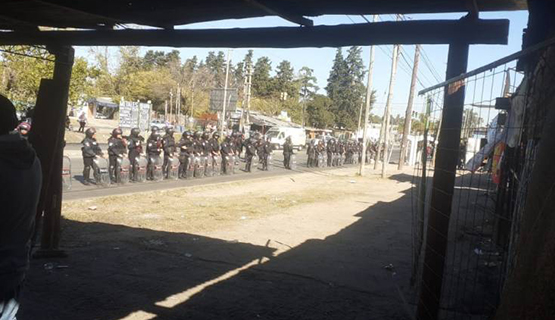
x: 160, y: 124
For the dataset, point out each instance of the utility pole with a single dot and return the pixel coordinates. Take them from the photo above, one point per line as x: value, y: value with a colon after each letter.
x: 408, y: 113
x: 225, y: 92
x: 178, y: 102
x: 360, y: 115
x: 387, y: 113
x: 166, y: 111
x: 249, y: 84
x: 367, y: 110
x: 171, y: 105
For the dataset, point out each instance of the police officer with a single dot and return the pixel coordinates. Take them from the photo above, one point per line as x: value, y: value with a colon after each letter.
x: 135, y: 147
x: 90, y: 150
x: 311, y: 153
x: 116, y: 149
x: 214, y: 143
x: 331, y: 151
x: 266, y: 152
x: 185, y: 146
x: 250, y: 152
x: 320, y: 149
x: 287, y: 152
x: 168, y: 144
x: 153, y: 148
x: 226, y: 150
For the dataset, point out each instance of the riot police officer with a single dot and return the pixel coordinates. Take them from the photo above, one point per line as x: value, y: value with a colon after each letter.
x: 90, y: 150
x: 135, y: 146
x: 168, y: 144
x: 311, y: 153
x: 266, y: 152
x: 153, y: 148
x: 214, y: 143
x: 116, y: 149
x: 331, y: 151
x: 287, y: 152
x: 250, y: 152
x: 185, y: 146
x: 226, y: 150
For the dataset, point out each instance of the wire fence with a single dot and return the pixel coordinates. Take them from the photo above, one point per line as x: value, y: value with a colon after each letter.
x: 495, y: 158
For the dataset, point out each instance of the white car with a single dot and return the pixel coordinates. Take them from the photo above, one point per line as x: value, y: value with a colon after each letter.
x: 158, y: 124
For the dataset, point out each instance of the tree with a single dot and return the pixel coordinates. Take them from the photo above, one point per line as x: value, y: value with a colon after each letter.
x: 261, y: 81
x: 82, y: 82
x: 307, y: 83
x: 283, y: 81
x: 319, y: 112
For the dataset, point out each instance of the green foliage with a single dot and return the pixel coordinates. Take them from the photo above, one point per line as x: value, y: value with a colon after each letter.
x: 261, y: 80
x: 318, y: 111
x: 346, y: 88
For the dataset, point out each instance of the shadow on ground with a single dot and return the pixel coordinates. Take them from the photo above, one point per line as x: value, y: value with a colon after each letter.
x: 114, y: 271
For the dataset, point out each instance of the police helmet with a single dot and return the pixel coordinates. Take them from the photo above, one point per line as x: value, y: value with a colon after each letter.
x: 186, y: 134
x: 116, y: 132
x: 89, y: 133
x: 135, y: 132
x: 169, y: 130
x: 154, y: 130
x: 206, y: 135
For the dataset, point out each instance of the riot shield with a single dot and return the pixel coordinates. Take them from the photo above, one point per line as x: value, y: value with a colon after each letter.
x: 325, y: 160
x: 217, y: 165
x: 235, y: 167
x: 293, y: 162
x: 199, y: 167
x: 66, y: 173
x: 124, y: 167
x: 270, y: 165
x: 156, y: 163
x: 101, y: 175
x: 208, y: 166
x: 229, y: 164
x: 190, y: 167
x: 255, y: 161
x: 320, y: 161
x: 173, y: 168
x: 140, y: 169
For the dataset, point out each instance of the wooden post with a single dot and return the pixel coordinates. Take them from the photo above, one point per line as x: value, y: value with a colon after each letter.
x: 47, y: 137
x: 408, y: 113
x: 443, y: 186
x: 367, y: 109
x: 387, y: 112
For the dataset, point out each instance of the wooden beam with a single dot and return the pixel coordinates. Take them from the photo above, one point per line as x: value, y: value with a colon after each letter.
x: 380, y: 33
x: 295, y: 18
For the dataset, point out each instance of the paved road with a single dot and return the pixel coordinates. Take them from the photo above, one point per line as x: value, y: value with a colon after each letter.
x: 79, y: 190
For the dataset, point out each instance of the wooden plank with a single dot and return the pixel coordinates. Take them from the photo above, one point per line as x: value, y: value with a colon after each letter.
x: 380, y: 33
x: 443, y: 185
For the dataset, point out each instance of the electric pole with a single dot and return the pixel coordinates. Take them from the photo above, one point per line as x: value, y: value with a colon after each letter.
x: 387, y: 113
x: 225, y: 92
x: 178, y: 102
x: 367, y: 110
x: 408, y: 113
x: 171, y: 105
x: 249, y: 84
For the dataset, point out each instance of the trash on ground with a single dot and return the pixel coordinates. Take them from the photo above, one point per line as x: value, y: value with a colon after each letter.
x: 243, y: 218
x: 478, y: 252
x: 389, y: 267
x: 188, y: 255
x: 92, y: 208
x: 48, y: 266
x: 352, y: 181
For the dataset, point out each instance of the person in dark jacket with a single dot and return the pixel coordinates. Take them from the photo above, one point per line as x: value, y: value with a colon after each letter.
x: 311, y: 153
x: 153, y: 150
x: 185, y: 146
x: 135, y: 146
x: 168, y: 144
x: 117, y: 147
x: 250, y: 152
x: 21, y: 178
x: 287, y: 152
x: 266, y: 152
x: 330, y: 149
x: 226, y: 150
x: 90, y: 150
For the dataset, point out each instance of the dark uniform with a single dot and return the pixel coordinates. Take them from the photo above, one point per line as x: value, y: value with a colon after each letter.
x: 287, y: 152
x: 266, y: 152
x: 117, y: 148
x: 331, y: 151
x: 90, y: 150
x: 185, y: 146
x: 250, y: 152
x: 226, y: 150
x: 311, y: 152
x: 153, y: 148
x: 168, y: 144
x: 135, y: 146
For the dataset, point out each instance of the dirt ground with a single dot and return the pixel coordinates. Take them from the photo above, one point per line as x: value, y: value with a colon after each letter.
x: 303, y: 246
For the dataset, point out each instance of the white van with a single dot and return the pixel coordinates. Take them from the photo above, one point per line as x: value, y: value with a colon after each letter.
x: 278, y: 135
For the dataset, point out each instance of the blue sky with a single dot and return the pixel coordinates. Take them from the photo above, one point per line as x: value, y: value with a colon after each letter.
x: 320, y: 59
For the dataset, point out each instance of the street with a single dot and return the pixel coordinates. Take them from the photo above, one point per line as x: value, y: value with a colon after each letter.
x: 78, y: 190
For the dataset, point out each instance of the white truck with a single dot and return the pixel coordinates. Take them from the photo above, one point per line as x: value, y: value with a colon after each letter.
x: 278, y: 135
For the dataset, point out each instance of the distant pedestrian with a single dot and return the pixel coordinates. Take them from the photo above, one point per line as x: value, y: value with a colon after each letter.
x: 20, y: 176
x: 287, y: 152
x: 82, y: 122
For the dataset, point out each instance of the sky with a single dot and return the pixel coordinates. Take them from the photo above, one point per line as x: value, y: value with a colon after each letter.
x: 321, y: 59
